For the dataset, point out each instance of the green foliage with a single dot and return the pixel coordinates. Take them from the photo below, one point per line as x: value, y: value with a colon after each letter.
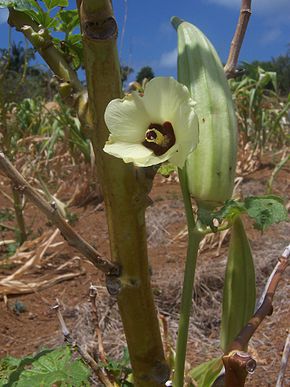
x: 264, y: 210
x: 145, y: 72
x: 6, y: 214
x: 120, y: 369
x: 18, y: 78
x: 125, y: 72
x: 50, y: 4
x: 279, y: 65
x: 11, y: 248
x: 284, y: 160
x: 206, y: 373
x: 47, y: 368
x: 54, y: 126
x: 262, y: 114
x: 166, y: 169
x: 7, y: 366
x: 54, y: 18
x: 15, y: 57
x: 239, y: 295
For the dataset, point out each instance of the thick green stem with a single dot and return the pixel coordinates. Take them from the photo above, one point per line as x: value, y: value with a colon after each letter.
x: 125, y: 200
x: 194, y: 238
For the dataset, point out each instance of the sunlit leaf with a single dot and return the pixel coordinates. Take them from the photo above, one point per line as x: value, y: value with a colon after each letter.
x: 48, y: 368
x: 230, y: 210
x: 239, y: 295
x: 69, y: 20
x: 7, y: 366
x: 266, y: 210
x: 50, y: 4
x: 206, y: 373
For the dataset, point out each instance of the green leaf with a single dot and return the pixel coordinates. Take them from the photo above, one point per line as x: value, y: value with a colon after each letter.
x: 48, y: 368
x: 229, y: 211
x: 239, y: 295
x: 166, y: 169
x: 206, y: 373
x: 50, y: 4
x: 266, y: 210
x: 69, y: 20
x: 46, y: 21
x: 29, y: 7
x: 7, y: 366
x: 206, y: 217
x: 14, y: 376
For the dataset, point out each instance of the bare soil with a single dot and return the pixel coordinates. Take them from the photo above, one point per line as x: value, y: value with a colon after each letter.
x: 34, y: 324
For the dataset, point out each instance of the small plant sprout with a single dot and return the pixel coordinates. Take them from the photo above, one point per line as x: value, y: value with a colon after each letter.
x: 161, y: 125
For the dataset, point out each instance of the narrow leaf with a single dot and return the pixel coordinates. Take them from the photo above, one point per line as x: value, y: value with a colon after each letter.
x: 239, y: 294
x: 206, y: 373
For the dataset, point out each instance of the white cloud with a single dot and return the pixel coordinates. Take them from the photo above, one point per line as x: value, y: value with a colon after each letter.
x: 271, y: 35
x: 259, y: 6
x: 169, y: 59
x: 3, y: 15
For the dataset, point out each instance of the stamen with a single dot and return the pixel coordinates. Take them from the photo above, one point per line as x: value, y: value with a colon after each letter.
x: 153, y: 135
x: 159, y: 138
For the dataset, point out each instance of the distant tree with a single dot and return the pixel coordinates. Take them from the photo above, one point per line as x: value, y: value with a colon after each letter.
x: 145, y: 72
x: 281, y: 66
x: 16, y: 57
x: 125, y: 72
x: 18, y: 78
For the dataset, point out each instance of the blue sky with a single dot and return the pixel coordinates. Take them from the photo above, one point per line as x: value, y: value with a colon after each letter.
x: 149, y: 38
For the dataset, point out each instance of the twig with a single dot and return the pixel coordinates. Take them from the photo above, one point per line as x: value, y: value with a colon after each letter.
x: 2, y: 225
x: 245, y: 13
x: 7, y: 242
x: 284, y: 361
x: 84, y: 354
x: 93, y: 295
x: 51, y: 212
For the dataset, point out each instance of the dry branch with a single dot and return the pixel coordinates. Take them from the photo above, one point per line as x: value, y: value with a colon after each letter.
x: 238, y: 365
x: 51, y: 212
x: 245, y: 13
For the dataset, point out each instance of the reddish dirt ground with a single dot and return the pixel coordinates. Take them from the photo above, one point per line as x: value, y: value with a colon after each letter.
x: 37, y: 326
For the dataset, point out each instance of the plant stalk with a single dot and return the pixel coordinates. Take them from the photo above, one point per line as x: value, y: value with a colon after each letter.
x: 18, y: 208
x: 125, y: 199
x: 194, y: 238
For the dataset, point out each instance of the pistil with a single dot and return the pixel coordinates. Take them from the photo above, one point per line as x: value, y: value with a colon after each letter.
x: 159, y: 138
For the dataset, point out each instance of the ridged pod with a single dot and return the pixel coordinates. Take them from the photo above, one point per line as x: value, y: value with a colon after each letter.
x: 211, y: 166
x: 239, y: 295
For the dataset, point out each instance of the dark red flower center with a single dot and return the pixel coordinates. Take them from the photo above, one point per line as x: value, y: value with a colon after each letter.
x: 159, y: 138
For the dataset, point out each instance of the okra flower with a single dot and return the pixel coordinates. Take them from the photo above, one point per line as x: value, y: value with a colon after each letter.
x: 161, y: 125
